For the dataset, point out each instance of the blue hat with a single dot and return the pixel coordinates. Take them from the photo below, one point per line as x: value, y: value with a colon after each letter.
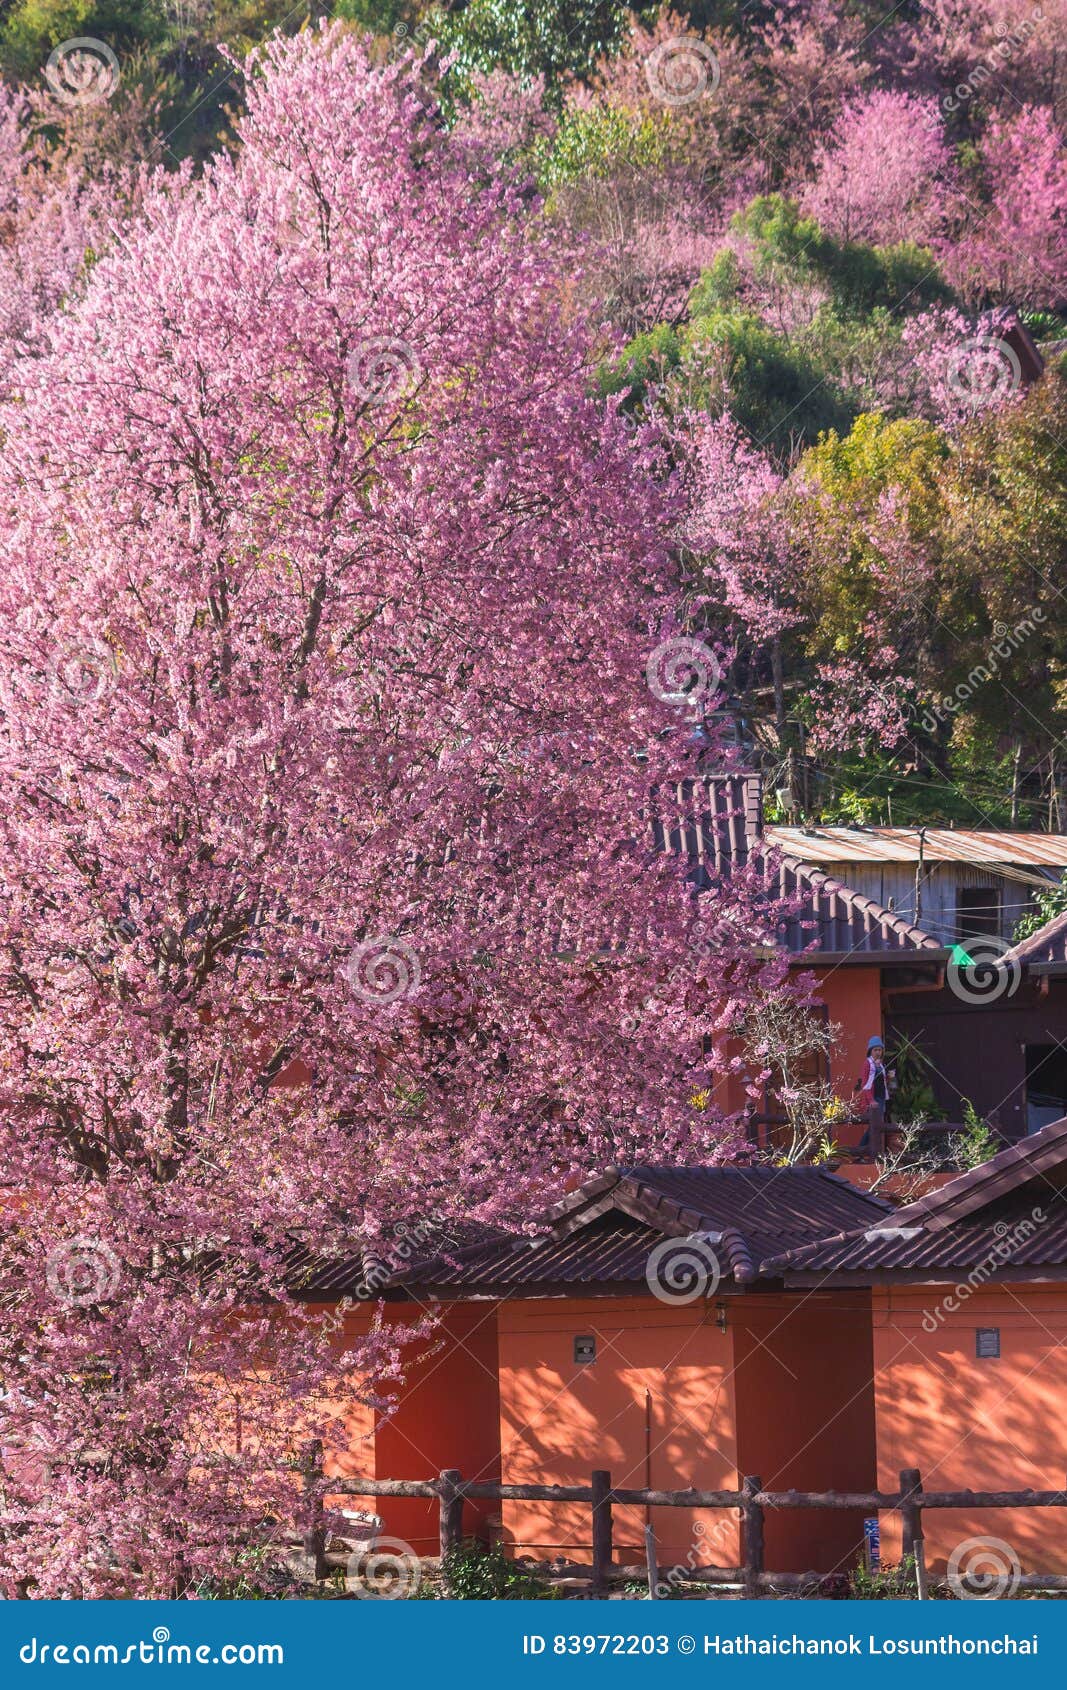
x: 876, y: 1040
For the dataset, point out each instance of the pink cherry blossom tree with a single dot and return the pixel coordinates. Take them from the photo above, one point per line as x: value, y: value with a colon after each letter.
x: 883, y: 173
x: 339, y: 687
x: 1014, y: 243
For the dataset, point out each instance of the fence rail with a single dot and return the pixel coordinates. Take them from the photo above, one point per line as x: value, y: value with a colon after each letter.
x: 752, y: 1501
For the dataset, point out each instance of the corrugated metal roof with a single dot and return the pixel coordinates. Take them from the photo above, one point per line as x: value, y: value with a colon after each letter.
x: 901, y: 845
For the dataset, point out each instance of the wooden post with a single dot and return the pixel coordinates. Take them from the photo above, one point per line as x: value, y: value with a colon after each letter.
x: 752, y: 1516
x: 451, y: 1510
x: 911, y: 1520
x: 602, y: 1545
x: 876, y: 1130
x: 650, y: 1564
x: 315, y: 1533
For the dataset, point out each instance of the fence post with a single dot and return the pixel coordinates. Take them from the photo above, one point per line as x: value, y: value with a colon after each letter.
x: 911, y: 1520
x: 602, y: 1545
x: 451, y: 1510
x: 752, y: 1516
x: 315, y: 1533
x: 651, y: 1566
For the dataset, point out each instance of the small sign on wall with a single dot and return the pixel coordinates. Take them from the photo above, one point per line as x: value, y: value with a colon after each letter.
x: 872, y: 1538
x: 585, y: 1349
x: 987, y: 1343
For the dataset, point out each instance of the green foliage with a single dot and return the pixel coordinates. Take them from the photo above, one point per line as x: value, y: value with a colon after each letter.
x: 549, y: 39
x: 728, y: 358
x: 839, y: 484
x: 1048, y: 904
x: 886, y: 1584
x: 169, y: 47
x: 775, y: 389
x: 719, y: 284
x: 914, y: 1101
x: 977, y: 1142
x: 476, y: 1574
x: 596, y: 141
x: 645, y: 362
x: 33, y: 27
x: 788, y: 388
x: 860, y: 278
x: 379, y: 17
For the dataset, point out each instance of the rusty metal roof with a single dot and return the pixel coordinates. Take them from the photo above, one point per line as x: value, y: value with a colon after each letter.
x: 902, y: 845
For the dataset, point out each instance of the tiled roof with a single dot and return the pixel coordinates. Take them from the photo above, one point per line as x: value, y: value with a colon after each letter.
x: 1011, y: 1211
x: 1041, y: 1157
x: 716, y: 822
x: 1047, y: 948
x: 835, y: 920
x: 1021, y: 1232
x: 602, y: 1235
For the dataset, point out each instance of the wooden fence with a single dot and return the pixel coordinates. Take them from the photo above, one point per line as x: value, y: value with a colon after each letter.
x: 451, y: 1491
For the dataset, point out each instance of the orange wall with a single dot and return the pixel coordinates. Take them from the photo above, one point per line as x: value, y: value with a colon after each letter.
x: 805, y: 1417
x: 970, y: 1424
x: 560, y: 1420
x: 447, y: 1415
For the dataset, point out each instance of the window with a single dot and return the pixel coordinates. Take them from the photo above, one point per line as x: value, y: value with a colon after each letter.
x: 1046, y: 1085
x: 977, y: 912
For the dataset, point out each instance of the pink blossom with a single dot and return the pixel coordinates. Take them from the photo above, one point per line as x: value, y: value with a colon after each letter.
x: 328, y: 744
x: 882, y: 173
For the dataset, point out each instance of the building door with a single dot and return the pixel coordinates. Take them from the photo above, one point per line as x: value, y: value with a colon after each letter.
x: 1046, y: 1085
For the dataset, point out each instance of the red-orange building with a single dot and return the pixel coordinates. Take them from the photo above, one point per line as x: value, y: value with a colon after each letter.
x: 968, y: 1292
x: 884, y: 917
x: 821, y: 1340
x: 577, y: 1350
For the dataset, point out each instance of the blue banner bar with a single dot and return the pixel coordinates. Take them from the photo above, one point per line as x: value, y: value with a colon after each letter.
x: 683, y: 1644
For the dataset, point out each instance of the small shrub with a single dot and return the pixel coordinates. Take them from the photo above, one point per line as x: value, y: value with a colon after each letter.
x: 886, y: 1584
x: 474, y: 1573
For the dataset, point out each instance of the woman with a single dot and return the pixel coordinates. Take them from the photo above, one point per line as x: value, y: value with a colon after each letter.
x: 873, y: 1087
